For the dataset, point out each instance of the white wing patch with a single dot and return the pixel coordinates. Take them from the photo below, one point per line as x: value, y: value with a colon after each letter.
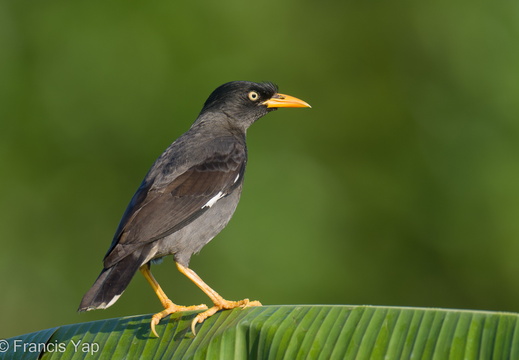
x: 116, y: 297
x: 214, y: 199
x: 237, y: 177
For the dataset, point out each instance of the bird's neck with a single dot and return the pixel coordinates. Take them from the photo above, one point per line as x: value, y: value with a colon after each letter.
x: 222, y: 121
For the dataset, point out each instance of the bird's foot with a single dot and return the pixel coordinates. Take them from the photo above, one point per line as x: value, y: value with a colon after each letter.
x: 221, y: 305
x: 170, y: 308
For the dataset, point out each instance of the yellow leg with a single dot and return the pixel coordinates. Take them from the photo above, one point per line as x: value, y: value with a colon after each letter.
x: 169, y: 306
x: 219, y: 302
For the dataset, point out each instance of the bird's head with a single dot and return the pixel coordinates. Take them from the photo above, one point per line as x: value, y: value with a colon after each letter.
x: 245, y: 101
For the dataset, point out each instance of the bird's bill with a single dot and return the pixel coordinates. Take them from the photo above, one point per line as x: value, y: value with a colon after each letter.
x: 282, y: 100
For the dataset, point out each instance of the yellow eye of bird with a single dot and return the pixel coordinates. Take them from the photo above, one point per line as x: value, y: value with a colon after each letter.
x: 253, y: 96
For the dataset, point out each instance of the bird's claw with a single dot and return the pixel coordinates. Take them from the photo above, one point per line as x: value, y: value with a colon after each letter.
x: 222, y: 305
x: 154, y: 321
x: 172, y: 308
x: 252, y: 303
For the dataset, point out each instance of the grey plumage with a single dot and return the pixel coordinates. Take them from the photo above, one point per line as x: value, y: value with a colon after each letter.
x: 188, y: 195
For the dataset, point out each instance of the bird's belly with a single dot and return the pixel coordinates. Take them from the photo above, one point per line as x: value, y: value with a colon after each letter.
x: 194, y: 236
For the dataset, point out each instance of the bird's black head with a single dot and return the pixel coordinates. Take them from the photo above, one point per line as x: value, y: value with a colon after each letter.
x: 244, y: 102
x: 241, y: 97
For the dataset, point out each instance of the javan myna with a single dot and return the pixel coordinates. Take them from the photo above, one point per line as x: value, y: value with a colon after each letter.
x: 188, y: 196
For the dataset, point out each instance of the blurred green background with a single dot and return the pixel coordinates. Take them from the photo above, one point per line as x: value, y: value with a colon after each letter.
x: 399, y: 187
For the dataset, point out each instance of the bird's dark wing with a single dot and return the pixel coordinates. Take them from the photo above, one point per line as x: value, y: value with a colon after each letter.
x: 156, y: 212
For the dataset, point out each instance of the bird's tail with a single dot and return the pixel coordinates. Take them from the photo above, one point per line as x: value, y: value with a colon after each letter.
x: 111, y: 283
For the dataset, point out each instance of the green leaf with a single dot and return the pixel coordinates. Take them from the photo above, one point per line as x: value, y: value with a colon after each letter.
x: 290, y: 332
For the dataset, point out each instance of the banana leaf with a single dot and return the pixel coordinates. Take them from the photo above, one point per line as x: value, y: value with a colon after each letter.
x: 284, y: 332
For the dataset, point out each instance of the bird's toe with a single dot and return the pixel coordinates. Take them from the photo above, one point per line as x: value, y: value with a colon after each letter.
x: 172, y: 308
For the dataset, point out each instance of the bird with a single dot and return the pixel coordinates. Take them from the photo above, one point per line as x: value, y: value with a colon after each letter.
x: 187, y: 197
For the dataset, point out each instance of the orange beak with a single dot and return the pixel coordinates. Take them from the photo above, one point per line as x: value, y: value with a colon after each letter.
x: 282, y: 100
